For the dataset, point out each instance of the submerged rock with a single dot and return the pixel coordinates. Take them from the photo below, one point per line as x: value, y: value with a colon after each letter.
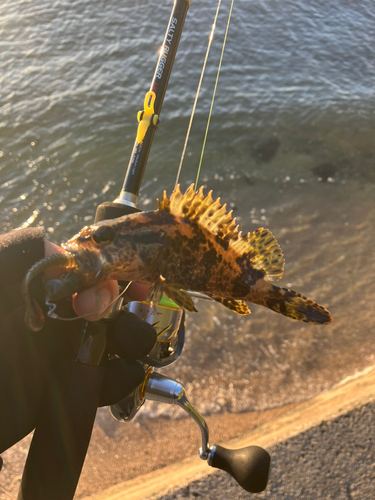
x: 325, y: 171
x: 249, y: 180
x: 266, y: 150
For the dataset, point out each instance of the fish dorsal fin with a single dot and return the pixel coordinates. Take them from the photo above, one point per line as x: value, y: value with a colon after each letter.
x: 206, y: 212
x: 262, y: 250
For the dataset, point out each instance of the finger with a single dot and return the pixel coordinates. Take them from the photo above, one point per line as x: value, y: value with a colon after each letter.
x: 131, y: 337
x: 120, y: 380
x: 95, y: 302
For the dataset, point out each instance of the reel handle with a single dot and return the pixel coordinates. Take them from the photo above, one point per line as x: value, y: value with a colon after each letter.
x: 249, y: 466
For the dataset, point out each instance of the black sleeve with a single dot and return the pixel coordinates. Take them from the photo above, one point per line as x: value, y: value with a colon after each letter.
x: 19, y: 250
x: 24, y: 357
x: 27, y: 358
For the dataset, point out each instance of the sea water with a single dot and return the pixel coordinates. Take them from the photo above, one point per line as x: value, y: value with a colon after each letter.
x: 290, y: 147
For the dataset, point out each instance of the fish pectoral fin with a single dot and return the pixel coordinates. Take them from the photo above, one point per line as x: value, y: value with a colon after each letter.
x: 238, y: 306
x: 261, y: 250
x: 156, y: 290
x: 181, y: 297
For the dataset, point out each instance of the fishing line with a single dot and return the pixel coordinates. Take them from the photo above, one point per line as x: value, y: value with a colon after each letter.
x: 51, y: 313
x: 213, y: 96
x: 198, y: 91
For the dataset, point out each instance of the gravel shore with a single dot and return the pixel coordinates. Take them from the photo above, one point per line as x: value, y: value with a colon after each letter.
x: 334, y: 460
x: 320, y: 449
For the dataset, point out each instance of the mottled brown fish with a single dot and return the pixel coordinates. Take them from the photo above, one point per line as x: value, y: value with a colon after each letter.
x: 190, y: 243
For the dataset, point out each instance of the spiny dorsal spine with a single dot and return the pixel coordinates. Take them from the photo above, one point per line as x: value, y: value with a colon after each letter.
x: 259, y: 247
x: 209, y: 214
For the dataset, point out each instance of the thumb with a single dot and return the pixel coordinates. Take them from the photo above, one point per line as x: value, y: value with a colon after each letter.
x: 95, y: 302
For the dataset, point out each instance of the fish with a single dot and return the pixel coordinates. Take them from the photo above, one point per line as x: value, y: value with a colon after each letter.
x: 190, y: 243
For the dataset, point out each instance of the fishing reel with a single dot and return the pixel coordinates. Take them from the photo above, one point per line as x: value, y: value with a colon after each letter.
x: 249, y: 466
x: 169, y: 322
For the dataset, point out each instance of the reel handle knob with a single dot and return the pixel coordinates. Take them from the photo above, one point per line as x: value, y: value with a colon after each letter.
x: 249, y: 466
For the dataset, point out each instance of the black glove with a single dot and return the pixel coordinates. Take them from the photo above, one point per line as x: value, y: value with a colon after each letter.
x: 131, y: 339
x: 28, y: 360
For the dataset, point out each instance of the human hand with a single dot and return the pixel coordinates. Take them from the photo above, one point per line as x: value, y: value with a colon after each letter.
x: 95, y: 302
x: 129, y: 339
x: 35, y: 358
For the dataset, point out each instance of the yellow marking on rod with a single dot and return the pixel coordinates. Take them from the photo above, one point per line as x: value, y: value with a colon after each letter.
x: 146, y: 117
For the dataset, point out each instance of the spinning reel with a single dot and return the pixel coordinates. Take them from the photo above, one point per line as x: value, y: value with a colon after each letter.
x: 249, y: 466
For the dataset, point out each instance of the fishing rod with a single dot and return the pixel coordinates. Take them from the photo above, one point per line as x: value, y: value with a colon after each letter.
x: 81, y: 379
x: 62, y: 435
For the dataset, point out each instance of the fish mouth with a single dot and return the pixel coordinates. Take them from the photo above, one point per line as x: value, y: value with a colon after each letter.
x: 34, y: 317
x: 82, y: 269
x: 71, y: 246
x: 67, y: 285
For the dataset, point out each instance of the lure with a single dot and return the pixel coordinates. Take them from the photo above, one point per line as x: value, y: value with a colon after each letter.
x: 190, y: 243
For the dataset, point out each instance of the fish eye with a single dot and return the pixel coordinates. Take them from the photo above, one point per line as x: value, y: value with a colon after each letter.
x: 103, y: 235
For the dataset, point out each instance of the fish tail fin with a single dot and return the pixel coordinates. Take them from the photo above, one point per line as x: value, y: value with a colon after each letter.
x: 296, y: 306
